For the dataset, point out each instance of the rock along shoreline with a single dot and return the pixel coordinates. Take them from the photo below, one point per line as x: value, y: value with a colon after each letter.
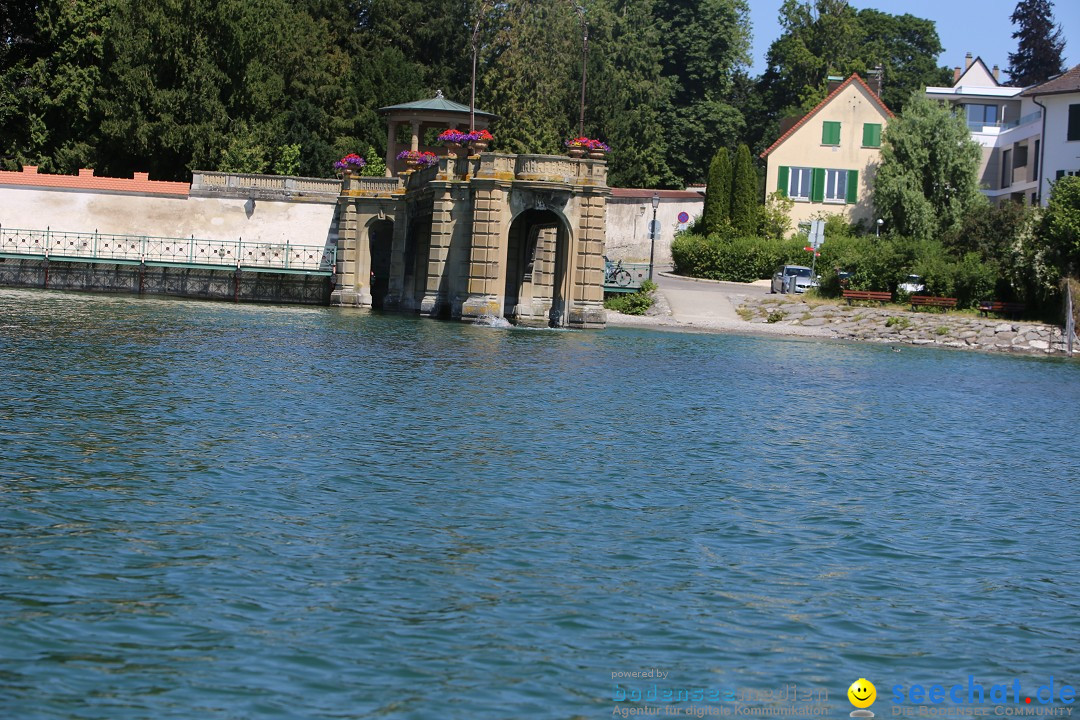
x: 892, y: 325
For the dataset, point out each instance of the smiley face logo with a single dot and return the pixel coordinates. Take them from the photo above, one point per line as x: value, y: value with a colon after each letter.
x: 862, y: 693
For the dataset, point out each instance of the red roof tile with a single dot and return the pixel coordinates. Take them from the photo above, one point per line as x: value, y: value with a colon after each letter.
x: 794, y: 128
x: 141, y: 184
x: 1066, y: 82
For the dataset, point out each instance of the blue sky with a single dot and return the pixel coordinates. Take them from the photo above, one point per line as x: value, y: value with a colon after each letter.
x: 963, y: 25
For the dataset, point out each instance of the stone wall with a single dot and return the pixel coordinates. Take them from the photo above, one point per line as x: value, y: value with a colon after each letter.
x: 629, y: 213
x: 179, y: 282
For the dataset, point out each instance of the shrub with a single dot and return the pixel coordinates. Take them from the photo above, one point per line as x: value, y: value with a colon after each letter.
x: 738, y: 259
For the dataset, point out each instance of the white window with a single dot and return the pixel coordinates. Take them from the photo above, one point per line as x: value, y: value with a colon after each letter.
x: 799, y: 183
x: 836, y: 185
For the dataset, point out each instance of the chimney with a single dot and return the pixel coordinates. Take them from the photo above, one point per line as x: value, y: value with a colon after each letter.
x: 835, y: 81
x: 997, y: 75
x: 956, y: 74
x: 967, y: 61
x: 86, y: 172
x: 30, y: 169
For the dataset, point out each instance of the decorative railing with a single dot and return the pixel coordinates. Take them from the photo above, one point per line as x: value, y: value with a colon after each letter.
x: 379, y: 186
x: 543, y: 168
x: 164, y: 251
x: 264, y: 186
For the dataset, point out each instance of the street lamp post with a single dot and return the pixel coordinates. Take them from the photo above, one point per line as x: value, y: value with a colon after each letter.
x: 584, y: 66
x: 880, y: 222
x: 652, y: 233
x: 475, y: 43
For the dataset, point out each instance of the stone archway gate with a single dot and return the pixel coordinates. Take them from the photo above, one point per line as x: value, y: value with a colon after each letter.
x: 452, y: 222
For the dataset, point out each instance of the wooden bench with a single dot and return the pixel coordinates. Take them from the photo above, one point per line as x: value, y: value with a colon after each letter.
x: 872, y: 295
x: 995, y: 306
x: 931, y: 301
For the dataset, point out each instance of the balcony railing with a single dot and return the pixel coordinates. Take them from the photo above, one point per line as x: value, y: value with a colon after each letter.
x: 978, y: 126
x: 167, y: 252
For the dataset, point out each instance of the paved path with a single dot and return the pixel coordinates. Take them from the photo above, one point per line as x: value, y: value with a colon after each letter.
x: 706, y: 305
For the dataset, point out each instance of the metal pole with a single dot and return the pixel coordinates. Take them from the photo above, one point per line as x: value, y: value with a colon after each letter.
x: 475, y: 38
x: 1069, y: 321
x: 584, y: 66
x: 652, y: 245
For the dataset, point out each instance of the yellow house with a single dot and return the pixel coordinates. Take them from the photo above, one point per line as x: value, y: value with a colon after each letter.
x: 826, y: 161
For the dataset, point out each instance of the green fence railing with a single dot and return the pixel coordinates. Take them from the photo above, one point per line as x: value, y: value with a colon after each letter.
x: 165, y: 251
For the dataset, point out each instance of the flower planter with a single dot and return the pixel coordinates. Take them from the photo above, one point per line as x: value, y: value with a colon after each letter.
x: 597, y: 154
x: 479, y: 146
x: 576, y: 152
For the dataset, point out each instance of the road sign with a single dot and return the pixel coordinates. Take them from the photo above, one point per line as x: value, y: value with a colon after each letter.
x: 654, y: 228
x: 817, y: 233
x: 684, y: 218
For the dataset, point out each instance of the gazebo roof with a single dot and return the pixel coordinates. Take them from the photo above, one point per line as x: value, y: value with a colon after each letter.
x: 435, y: 104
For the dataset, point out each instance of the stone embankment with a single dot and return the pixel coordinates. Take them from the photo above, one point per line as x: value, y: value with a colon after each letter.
x: 895, y: 325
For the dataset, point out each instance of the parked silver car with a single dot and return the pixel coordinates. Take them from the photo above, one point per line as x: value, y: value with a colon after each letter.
x: 782, y: 277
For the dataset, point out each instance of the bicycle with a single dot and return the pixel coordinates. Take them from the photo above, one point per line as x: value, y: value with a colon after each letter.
x: 617, y: 275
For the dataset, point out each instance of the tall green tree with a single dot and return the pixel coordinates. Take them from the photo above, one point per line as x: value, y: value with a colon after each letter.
x: 716, y: 214
x: 820, y: 38
x: 705, y: 43
x: 50, y: 72
x: 928, y: 177
x: 532, y: 92
x: 1039, y: 43
x: 627, y: 91
x: 745, y: 204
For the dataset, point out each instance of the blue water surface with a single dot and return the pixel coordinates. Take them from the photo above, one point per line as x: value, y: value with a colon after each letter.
x: 236, y: 511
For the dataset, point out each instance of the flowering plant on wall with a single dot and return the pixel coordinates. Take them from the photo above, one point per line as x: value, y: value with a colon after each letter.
x: 416, y: 157
x: 588, y: 144
x: 460, y: 137
x: 352, y: 161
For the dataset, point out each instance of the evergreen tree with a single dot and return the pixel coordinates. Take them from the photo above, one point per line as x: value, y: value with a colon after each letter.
x: 705, y: 43
x: 626, y: 90
x: 717, y: 212
x: 744, y: 193
x: 47, y: 91
x: 1038, y: 52
x: 533, y: 93
x: 928, y: 179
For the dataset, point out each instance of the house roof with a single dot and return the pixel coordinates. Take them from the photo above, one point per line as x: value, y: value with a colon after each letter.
x: 1067, y: 82
x: 645, y: 194
x: 435, y: 104
x: 828, y: 99
x: 977, y: 61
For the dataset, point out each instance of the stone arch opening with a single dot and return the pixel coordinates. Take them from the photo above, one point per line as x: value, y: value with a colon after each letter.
x: 415, y: 275
x: 537, y: 280
x: 380, y: 245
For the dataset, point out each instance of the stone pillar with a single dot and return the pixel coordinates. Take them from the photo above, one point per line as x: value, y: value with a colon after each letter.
x: 346, y: 292
x: 587, y: 264
x: 415, y: 142
x: 391, y: 148
x: 534, y: 310
x: 363, y: 257
x: 435, y: 301
x: 486, y: 278
x: 397, y: 258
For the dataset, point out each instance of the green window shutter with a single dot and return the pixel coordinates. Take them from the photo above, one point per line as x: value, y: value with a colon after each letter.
x: 830, y: 133
x: 817, y: 185
x: 871, y: 135
x: 852, y: 186
x: 782, y: 179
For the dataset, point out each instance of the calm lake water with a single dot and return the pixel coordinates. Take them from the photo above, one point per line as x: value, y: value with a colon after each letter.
x: 220, y: 511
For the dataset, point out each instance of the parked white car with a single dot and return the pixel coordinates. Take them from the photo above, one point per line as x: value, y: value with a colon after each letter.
x: 912, y: 284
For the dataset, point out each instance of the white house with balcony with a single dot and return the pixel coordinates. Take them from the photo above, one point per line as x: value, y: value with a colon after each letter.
x: 1007, y: 123
x: 1059, y: 154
